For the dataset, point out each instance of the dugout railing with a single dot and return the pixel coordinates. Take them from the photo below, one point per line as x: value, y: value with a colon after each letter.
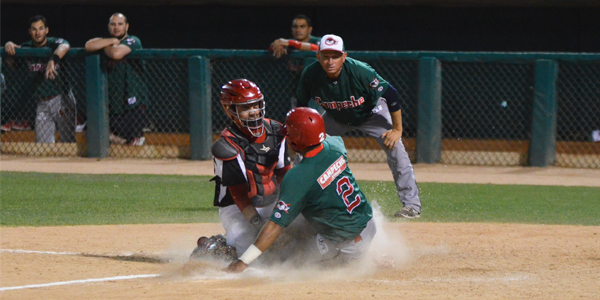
x: 502, y: 109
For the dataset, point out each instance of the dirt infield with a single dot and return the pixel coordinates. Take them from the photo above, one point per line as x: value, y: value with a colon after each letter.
x: 430, y: 260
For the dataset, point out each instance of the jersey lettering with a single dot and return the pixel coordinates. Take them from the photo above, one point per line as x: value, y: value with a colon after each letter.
x: 341, y: 104
x: 39, y: 67
x: 332, y: 172
x: 345, y: 193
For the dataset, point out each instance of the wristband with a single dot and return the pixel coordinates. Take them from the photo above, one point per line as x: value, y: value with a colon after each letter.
x: 295, y: 44
x: 55, y: 58
x: 250, y: 255
x: 314, y: 47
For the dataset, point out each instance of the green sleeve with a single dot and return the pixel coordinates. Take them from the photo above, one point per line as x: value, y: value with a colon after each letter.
x: 133, y: 42
x: 375, y: 84
x: 315, y: 40
x: 57, y: 42
x: 292, y: 199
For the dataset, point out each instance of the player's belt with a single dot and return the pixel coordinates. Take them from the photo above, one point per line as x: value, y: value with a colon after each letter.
x: 358, y: 239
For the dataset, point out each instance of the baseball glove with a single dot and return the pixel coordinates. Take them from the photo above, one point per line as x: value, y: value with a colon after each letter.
x: 214, y: 247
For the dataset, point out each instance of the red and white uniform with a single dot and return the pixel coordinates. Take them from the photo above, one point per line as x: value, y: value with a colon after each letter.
x: 248, y: 171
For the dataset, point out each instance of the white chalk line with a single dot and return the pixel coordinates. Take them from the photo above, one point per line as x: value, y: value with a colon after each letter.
x: 66, y: 282
x: 39, y: 252
x: 78, y: 281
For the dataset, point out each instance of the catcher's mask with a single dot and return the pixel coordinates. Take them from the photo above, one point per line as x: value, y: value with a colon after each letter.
x: 244, y: 104
x: 304, y: 127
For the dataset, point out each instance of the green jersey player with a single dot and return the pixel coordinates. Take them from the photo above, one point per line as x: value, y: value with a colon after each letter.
x: 354, y: 97
x: 322, y: 189
x: 47, y: 85
x: 127, y: 92
x: 302, y: 40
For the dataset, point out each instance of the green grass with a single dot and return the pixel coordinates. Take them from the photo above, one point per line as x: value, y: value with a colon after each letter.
x: 38, y: 199
x: 445, y: 202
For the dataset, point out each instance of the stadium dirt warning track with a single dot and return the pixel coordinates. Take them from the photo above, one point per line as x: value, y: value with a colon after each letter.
x: 422, y: 260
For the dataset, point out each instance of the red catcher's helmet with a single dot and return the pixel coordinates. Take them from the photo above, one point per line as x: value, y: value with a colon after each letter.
x: 244, y: 92
x: 304, y: 128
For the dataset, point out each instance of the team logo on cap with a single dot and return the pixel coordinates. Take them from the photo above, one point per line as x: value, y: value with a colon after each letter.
x: 330, y: 41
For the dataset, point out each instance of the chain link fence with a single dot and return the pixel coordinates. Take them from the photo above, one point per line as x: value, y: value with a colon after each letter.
x: 486, y: 105
x: 43, y: 117
x: 486, y: 113
x: 149, y: 109
x: 578, y: 125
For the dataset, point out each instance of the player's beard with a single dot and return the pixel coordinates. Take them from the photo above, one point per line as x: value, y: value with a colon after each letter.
x: 43, y: 42
x: 121, y: 37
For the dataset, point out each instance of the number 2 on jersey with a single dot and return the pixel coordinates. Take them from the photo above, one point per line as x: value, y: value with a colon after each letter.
x: 345, y: 193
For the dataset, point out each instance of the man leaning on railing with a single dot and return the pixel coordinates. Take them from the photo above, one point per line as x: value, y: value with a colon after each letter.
x: 127, y: 99
x: 46, y: 84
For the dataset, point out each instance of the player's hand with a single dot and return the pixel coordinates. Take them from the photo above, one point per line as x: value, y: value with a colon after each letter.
x: 116, y: 41
x: 279, y: 48
x: 10, y: 48
x: 236, y: 267
x: 391, y: 138
x: 50, y: 70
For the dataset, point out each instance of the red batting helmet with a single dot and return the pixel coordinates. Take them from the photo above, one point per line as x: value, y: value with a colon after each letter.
x: 243, y: 92
x: 304, y: 128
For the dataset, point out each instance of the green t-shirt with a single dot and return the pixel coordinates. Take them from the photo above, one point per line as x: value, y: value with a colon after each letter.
x: 126, y: 83
x: 324, y: 190
x: 38, y: 86
x: 350, y: 98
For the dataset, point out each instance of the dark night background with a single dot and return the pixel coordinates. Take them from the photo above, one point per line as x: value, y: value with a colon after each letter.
x: 539, y: 28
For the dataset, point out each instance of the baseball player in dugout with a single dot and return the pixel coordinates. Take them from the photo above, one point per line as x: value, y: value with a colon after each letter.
x: 46, y: 84
x: 127, y: 92
x: 250, y: 161
x: 354, y: 96
x: 323, y: 189
x: 302, y: 40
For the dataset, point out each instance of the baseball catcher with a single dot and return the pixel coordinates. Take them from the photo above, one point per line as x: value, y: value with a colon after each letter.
x: 250, y: 160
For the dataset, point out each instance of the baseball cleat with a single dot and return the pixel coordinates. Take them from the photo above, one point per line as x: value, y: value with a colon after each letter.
x: 407, y: 213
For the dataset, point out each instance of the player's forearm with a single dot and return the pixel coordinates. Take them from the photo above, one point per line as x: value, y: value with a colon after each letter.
x: 117, y: 52
x: 62, y: 50
x: 268, y: 235
x: 251, y: 214
x: 397, y: 120
x: 97, y: 44
x: 302, y: 45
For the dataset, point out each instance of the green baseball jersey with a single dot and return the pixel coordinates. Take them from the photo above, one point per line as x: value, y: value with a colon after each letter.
x: 38, y: 86
x: 297, y: 64
x: 324, y: 190
x: 315, y: 40
x: 349, y: 98
x: 126, y: 84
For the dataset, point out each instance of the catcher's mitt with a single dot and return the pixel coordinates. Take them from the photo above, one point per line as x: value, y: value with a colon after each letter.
x: 214, y: 247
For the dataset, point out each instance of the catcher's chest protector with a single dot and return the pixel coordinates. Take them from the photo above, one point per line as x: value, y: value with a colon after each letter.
x: 260, y: 159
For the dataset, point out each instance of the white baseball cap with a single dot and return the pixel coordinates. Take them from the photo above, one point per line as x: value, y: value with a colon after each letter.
x: 331, y: 42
